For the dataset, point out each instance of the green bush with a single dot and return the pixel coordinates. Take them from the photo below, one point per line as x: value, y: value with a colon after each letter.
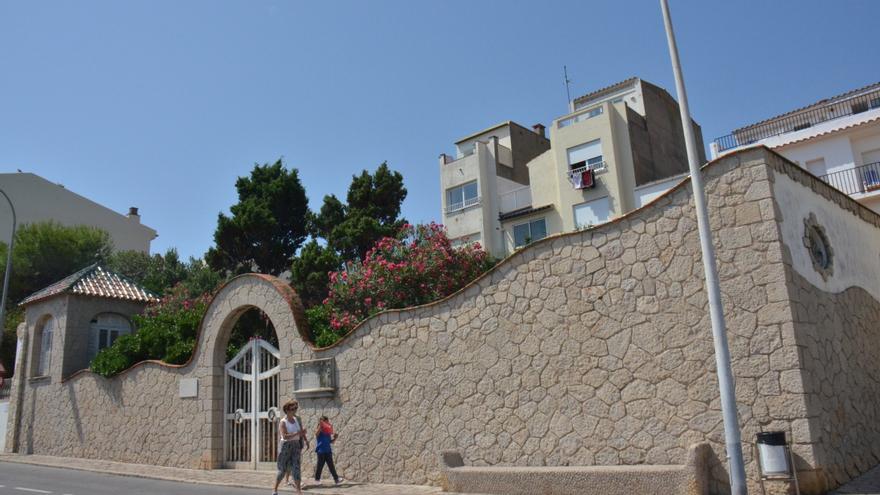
x: 318, y: 318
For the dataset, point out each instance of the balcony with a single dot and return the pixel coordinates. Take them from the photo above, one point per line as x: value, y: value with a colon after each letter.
x: 578, y: 179
x: 857, y: 180
x: 799, y: 121
x: 461, y: 205
x: 514, y: 200
x: 504, y: 156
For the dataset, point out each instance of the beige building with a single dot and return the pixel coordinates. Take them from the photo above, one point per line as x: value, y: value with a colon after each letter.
x: 618, y: 148
x: 38, y: 200
x: 836, y: 139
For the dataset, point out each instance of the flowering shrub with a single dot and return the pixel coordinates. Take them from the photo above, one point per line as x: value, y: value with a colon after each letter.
x: 416, y: 267
x: 166, y: 331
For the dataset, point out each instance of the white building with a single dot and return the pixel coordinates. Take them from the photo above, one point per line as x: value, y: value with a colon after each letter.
x: 618, y: 148
x: 38, y: 200
x: 836, y: 139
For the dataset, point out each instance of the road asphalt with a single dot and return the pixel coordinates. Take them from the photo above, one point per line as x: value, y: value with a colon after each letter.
x: 24, y: 479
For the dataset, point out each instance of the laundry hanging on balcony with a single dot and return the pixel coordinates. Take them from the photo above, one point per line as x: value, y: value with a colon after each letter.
x: 582, y: 178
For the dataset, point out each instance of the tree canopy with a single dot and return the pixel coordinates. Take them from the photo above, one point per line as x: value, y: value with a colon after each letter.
x: 267, y: 226
x: 46, y: 252
x: 348, y: 230
x: 159, y: 273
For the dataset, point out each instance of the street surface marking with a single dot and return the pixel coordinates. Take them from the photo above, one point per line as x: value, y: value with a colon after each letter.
x: 31, y: 490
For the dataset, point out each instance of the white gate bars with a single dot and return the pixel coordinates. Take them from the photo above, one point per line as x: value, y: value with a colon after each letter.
x: 251, y: 391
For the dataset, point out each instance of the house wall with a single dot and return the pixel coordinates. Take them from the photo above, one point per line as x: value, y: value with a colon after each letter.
x: 81, y: 312
x: 545, y: 184
x: 606, y: 127
x: 38, y: 200
x: 525, y: 144
x: 469, y: 220
x: 585, y: 348
x: 836, y: 324
x: 666, y: 136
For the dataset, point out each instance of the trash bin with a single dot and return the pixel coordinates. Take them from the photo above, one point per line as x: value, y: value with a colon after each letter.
x: 773, y: 453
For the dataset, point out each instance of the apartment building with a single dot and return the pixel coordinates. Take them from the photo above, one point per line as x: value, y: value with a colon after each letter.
x: 38, y: 200
x: 488, y: 176
x: 618, y: 148
x: 836, y: 139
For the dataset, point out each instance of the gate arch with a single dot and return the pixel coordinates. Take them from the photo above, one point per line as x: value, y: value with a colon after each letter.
x: 280, y: 303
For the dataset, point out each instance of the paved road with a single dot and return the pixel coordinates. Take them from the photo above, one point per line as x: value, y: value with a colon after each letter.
x: 23, y: 479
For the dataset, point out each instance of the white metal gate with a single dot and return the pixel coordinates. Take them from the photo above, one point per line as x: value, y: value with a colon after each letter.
x: 251, y: 407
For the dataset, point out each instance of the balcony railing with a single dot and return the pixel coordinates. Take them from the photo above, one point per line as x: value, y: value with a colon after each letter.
x: 803, y: 120
x: 855, y: 180
x: 576, y: 175
x: 462, y: 205
x: 515, y: 199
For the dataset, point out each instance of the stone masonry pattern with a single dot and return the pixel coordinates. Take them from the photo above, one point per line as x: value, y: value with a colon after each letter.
x: 586, y: 348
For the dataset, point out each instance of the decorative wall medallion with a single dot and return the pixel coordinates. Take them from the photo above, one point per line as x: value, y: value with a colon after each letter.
x: 816, y: 242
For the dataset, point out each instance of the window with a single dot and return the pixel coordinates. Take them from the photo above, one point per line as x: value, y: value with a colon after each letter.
x: 528, y: 232
x: 875, y: 102
x: 45, y: 360
x: 104, y: 330
x: 586, y: 154
x: 460, y: 197
x: 592, y: 213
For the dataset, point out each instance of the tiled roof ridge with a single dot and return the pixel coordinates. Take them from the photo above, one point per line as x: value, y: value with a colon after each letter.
x: 94, y: 280
x: 823, y: 101
x: 606, y: 89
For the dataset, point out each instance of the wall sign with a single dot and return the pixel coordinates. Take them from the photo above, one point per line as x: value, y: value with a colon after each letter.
x: 315, y: 378
x: 189, y: 387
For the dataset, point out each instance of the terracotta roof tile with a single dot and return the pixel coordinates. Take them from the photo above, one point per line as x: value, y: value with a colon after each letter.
x: 605, y: 90
x: 97, y: 281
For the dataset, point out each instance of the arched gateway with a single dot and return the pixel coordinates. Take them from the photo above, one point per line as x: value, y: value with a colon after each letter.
x: 245, y: 392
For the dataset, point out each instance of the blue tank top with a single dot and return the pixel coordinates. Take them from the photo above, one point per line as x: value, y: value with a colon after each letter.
x: 322, y: 445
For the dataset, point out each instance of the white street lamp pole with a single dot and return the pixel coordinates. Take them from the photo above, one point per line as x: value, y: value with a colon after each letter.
x: 719, y: 332
x: 8, y: 268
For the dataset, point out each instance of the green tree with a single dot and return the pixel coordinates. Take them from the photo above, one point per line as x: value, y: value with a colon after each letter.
x: 267, y: 226
x: 309, y: 272
x: 159, y: 273
x: 374, y: 202
x: 46, y: 252
x: 349, y: 230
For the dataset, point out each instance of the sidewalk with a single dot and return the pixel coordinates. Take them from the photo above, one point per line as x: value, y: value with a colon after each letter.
x: 220, y: 477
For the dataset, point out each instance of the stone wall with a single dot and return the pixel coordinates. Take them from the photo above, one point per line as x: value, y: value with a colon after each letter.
x: 839, y: 336
x: 585, y: 348
x: 836, y: 322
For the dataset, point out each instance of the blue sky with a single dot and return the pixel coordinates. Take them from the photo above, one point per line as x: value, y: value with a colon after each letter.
x: 163, y: 104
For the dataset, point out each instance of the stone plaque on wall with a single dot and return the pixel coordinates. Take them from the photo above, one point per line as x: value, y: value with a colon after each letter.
x: 189, y: 387
x: 315, y: 378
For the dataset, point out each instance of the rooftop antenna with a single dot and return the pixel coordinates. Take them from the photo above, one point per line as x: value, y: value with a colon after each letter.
x: 567, y: 91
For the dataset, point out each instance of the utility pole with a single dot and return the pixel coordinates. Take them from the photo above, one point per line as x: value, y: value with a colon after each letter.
x: 8, y: 269
x: 719, y: 332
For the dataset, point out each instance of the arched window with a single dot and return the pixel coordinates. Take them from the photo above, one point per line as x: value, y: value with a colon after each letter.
x: 44, y: 336
x: 104, y: 330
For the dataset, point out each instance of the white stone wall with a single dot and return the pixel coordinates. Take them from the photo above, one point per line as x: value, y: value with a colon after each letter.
x: 855, y: 243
